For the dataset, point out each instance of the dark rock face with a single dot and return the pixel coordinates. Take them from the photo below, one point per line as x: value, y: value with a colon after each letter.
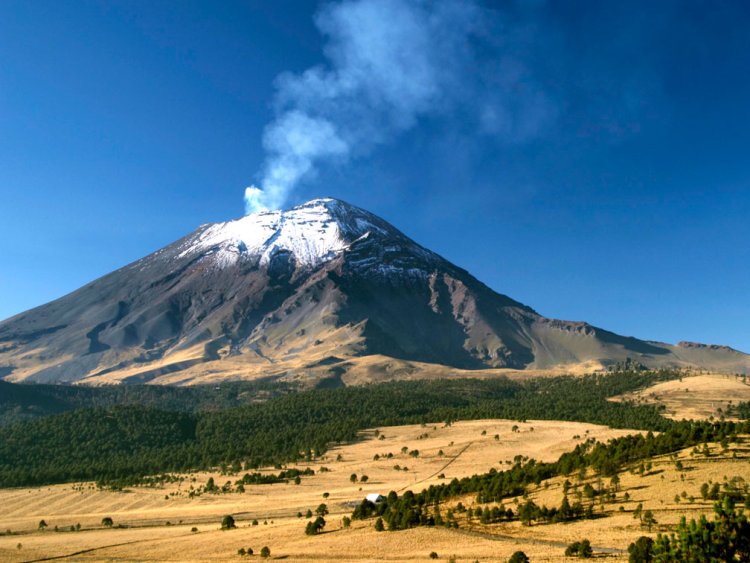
x: 322, y: 280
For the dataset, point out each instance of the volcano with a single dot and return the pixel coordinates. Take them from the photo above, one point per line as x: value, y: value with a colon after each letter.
x: 324, y: 292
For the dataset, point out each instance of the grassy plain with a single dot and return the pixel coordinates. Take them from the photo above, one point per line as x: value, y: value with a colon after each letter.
x: 695, y: 396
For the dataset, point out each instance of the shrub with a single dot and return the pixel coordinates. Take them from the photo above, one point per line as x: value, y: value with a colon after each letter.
x: 346, y: 521
x: 227, y: 523
x: 433, y: 555
x: 379, y: 525
x: 107, y: 522
x: 519, y: 557
x: 265, y: 551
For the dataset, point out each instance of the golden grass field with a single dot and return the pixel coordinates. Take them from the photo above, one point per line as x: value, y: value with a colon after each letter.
x: 695, y: 396
x: 468, y: 447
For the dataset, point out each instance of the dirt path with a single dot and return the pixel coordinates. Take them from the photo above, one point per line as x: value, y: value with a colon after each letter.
x: 92, y: 549
x: 439, y: 471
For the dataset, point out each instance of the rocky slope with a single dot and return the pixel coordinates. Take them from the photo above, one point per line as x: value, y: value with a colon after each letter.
x: 321, y: 291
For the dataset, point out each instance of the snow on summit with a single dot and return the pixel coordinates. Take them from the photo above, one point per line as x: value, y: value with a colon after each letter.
x: 313, y: 232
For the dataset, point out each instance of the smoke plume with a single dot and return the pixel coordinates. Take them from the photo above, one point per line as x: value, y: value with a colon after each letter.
x: 390, y: 63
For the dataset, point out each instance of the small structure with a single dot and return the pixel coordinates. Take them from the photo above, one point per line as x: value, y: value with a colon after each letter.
x: 375, y: 498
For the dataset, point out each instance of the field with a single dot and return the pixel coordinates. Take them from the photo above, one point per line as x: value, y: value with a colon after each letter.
x: 157, y: 522
x: 695, y: 396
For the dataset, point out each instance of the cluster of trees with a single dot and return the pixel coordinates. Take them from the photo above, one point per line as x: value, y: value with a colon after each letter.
x: 124, y: 443
x: 726, y: 538
x: 268, y: 478
x: 529, y: 512
x: 400, y: 513
x: 736, y: 489
x: 264, y: 551
x: 580, y: 549
x: 315, y: 526
x: 491, y: 515
x: 412, y: 510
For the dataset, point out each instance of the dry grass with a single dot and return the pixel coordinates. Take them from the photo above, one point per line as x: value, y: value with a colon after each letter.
x: 696, y: 396
x: 359, y: 370
x: 468, y: 447
x: 656, y: 490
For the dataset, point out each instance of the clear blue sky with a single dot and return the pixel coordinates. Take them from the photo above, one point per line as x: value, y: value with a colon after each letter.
x: 619, y: 194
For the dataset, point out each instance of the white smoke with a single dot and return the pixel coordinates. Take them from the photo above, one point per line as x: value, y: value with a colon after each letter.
x: 390, y: 63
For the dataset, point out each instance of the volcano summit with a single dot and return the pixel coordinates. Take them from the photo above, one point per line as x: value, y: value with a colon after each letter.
x: 324, y: 292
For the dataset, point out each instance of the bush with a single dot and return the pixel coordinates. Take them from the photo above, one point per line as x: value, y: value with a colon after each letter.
x: 265, y: 551
x: 433, y: 555
x: 346, y: 521
x: 227, y: 523
x: 379, y: 525
x: 519, y: 557
x: 107, y: 522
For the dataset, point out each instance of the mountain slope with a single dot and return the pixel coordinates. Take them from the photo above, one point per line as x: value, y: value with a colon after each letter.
x: 319, y: 290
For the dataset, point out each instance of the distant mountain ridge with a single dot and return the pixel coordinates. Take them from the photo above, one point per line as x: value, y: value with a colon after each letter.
x: 325, y: 291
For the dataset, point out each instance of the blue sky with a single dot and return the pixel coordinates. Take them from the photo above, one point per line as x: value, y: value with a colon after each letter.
x: 590, y: 159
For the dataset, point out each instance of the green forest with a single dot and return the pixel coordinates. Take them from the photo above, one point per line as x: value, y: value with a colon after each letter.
x: 19, y: 402
x: 128, y: 436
